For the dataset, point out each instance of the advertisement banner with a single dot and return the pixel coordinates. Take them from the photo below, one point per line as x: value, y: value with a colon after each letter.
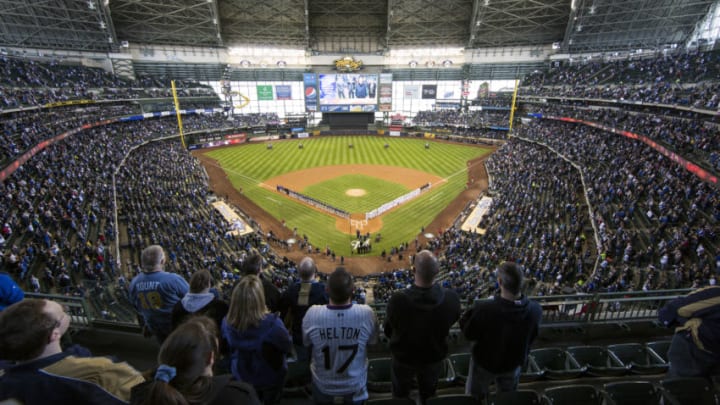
x: 429, y: 91
x: 264, y: 92
x: 283, y: 92
x: 412, y: 91
x: 483, y: 90
x: 449, y: 95
x: 385, y: 92
x: 241, y: 136
x: 311, y: 93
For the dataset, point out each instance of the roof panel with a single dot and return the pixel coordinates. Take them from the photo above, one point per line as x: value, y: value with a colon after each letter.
x: 56, y: 24
x: 161, y: 22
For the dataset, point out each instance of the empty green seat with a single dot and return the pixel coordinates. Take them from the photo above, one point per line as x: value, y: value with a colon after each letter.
x: 455, y: 399
x: 391, y: 401
x: 461, y: 365
x: 557, y: 363
x: 640, y: 358
x: 632, y: 393
x: 573, y: 395
x: 447, y: 375
x: 520, y: 397
x: 598, y: 360
x: 660, y: 347
x: 531, y: 371
x: 379, y: 375
x: 690, y: 390
x: 297, y: 379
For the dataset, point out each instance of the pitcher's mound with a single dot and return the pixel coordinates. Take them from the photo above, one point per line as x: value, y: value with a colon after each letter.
x: 355, y: 192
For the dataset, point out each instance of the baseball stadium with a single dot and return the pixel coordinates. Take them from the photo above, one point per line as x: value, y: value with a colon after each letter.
x: 359, y: 202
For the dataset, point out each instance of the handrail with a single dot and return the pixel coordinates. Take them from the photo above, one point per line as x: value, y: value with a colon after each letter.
x: 75, y: 307
x: 558, y: 310
x: 592, y: 309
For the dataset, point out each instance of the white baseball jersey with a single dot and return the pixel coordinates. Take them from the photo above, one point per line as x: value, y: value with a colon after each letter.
x: 339, y: 336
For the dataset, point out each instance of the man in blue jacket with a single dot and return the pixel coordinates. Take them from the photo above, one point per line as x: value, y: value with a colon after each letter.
x: 695, y: 347
x: 10, y: 292
x: 503, y: 329
x: 155, y: 292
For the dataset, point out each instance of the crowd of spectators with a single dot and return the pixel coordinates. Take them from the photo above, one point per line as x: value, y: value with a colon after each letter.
x: 683, y: 132
x: 651, y: 215
x: 686, y: 79
x: 498, y: 100
x: 455, y: 118
x: 538, y: 218
x: 56, y: 210
x: 24, y: 129
x: 26, y: 82
x: 654, y: 217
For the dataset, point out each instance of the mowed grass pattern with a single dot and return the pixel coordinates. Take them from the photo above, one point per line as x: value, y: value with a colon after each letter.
x: 248, y: 165
x: 378, y: 192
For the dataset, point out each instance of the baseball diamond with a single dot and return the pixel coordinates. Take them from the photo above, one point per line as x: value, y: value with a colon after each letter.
x: 325, y: 170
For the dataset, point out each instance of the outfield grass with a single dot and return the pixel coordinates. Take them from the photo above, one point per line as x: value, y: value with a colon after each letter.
x: 249, y: 165
x: 378, y: 191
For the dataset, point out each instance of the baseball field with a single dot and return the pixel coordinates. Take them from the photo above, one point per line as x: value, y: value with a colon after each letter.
x: 354, y: 174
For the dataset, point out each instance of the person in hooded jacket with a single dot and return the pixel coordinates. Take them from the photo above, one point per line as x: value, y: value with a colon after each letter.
x: 184, y: 374
x: 417, y: 322
x: 503, y: 329
x: 199, y: 301
x: 257, y: 340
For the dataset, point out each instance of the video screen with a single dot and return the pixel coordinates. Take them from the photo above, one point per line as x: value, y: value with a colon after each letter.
x: 348, y: 89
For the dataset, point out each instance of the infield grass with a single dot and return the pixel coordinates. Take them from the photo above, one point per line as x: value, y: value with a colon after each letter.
x: 249, y: 165
x: 377, y: 190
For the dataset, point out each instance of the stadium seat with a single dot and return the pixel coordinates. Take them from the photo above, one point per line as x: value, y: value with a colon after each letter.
x: 640, y: 359
x: 391, y: 401
x: 455, y: 399
x: 461, y: 366
x: 298, y: 379
x: 572, y: 395
x: 660, y: 347
x: 447, y: 376
x: 690, y: 390
x: 632, y: 393
x: 531, y: 371
x: 519, y: 397
x: 598, y: 361
x: 379, y: 375
x: 557, y: 363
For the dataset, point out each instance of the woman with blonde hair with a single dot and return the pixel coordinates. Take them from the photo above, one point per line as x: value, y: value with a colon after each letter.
x: 257, y: 340
x: 184, y: 375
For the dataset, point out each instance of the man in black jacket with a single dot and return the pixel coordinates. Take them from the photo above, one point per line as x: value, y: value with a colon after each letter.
x: 417, y: 322
x: 503, y: 329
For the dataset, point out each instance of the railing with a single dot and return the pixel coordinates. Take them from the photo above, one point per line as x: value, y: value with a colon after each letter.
x: 558, y: 310
x: 593, y: 309
x: 76, y: 307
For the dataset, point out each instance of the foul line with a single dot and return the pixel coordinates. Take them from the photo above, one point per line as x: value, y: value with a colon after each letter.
x: 235, y: 173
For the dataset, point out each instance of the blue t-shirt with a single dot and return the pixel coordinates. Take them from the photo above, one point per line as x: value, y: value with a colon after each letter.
x: 154, y: 295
